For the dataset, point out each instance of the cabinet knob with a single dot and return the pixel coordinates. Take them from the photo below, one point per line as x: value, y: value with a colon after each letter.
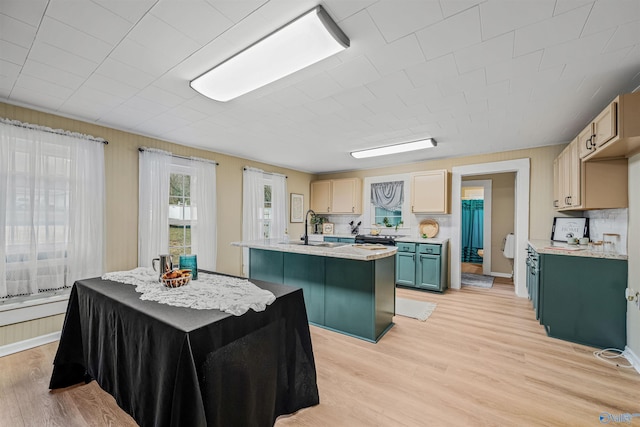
x: 328, y: 209
x: 555, y: 203
x: 353, y: 209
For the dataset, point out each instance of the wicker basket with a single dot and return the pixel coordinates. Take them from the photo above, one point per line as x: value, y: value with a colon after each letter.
x: 176, y: 282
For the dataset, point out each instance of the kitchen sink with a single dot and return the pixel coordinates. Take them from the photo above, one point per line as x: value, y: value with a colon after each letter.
x: 320, y: 244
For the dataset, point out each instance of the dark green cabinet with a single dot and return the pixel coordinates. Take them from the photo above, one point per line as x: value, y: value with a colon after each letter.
x: 422, y: 265
x: 353, y: 297
x: 340, y: 239
x: 579, y: 299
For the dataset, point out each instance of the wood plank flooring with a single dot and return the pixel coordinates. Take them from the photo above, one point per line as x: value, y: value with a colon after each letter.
x: 481, y: 359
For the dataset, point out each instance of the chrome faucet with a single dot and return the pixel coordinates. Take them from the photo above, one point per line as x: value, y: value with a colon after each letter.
x: 306, y: 226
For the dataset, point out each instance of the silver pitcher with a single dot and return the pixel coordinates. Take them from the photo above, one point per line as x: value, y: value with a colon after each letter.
x: 165, y: 265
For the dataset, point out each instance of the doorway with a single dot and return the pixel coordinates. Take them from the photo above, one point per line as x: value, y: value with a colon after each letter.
x: 521, y: 218
x: 472, y: 252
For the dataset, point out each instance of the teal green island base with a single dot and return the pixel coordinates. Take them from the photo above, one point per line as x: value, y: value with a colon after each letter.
x: 353, y: 297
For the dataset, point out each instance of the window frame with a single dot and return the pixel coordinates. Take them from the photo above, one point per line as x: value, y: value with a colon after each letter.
x: 180, y: 167
x: 369, y: 211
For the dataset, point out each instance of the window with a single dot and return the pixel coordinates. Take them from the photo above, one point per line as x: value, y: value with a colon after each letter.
x: 266, y: 212
x: 53, y: 219
x: 384, y: 216
x: 179, y: 215
x: 387, y: 199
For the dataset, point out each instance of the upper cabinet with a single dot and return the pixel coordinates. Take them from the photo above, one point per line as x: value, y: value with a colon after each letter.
x: 582, y: 185
x: 337, y: 196
x: 429, y: 192
x: 615, y: 132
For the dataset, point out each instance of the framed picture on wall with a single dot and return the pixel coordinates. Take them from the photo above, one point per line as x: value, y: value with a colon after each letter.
x: 567, y: 227
x: 297, y: 207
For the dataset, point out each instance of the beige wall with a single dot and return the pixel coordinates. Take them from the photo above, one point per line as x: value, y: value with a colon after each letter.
x: 502, y: 215
x: 633, y: 314
x: 541, y: 210
x: 121, y: 169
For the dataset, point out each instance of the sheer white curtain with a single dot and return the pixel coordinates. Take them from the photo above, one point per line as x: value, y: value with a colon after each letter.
x: 252, y: 203
x: 153, y: 205
x: 203, y: 213
x: 278, y: 206
x: 52, y: 193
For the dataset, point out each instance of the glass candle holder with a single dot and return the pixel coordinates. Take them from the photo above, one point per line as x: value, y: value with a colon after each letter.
x: 190, y: 262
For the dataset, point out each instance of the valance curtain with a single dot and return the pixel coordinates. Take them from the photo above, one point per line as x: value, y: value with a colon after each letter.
x: 204, y: 213
x: 153, y: 205
x: 388, y: 195
x: 472, y: 230
x: 52, y: 194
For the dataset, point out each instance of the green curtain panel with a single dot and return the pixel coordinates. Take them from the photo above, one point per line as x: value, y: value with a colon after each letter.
x: 472, y: 230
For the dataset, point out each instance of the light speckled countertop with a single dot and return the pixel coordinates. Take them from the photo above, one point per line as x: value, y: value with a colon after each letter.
x: 560, y: 248
x: 433, y: 241
x: 348, y: 251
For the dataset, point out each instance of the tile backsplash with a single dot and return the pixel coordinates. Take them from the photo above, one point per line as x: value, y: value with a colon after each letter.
x: 609, y: 221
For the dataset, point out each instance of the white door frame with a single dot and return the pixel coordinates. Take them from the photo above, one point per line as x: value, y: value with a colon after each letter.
x: 521, y: 221
x: 486, y: 226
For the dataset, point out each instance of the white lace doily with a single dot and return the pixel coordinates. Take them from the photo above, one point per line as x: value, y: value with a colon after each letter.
x: 211, y: 291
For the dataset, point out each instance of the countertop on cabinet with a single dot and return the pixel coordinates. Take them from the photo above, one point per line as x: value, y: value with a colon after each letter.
x: 559, y: 248
x: 339, y: 250
x: 433, y: 241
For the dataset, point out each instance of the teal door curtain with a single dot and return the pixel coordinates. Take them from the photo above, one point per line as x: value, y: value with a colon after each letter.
x: 472, y: 230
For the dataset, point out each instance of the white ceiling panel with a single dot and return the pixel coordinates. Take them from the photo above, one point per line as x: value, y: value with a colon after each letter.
x: 499, y: 17
x: 559, y: 29
x: 30, y: 12
x: 199, y: 20
x: 456, y: 32
x: 73, y: 41
x: 396, y: 19
x: 477, y: 75
x: 16, y: 32
x: 92, y: 18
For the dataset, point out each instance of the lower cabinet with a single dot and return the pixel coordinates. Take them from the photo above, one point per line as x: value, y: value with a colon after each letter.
x: 353, y: 297
x: 340, y: 239
x: 581, y: 299
x: 422, y: 266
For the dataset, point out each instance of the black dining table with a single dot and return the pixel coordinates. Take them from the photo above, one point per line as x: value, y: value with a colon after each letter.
x: 176, y: 366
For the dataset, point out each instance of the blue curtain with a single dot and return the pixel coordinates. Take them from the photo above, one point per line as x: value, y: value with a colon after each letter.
x: 472, y: 230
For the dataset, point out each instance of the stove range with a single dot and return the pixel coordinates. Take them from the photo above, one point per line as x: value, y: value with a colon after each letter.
x: 380, y: 239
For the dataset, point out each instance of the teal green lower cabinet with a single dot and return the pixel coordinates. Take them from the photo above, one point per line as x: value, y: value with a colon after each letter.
x: 422, y: 265
x: 582, y: 299
x: 307, y: 272
x: 331, y: 239
x: 353, y: 297
x: 346, y: 239
x: 405, y: 268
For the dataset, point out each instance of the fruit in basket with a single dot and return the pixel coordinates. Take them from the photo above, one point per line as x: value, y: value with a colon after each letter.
x: 176, y: 278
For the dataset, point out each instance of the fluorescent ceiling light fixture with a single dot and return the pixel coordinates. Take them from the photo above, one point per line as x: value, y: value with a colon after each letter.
x: 306, y: 40
x: 394, y: 149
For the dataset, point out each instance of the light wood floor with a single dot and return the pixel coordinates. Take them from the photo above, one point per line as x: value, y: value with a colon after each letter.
x: 480, y: 359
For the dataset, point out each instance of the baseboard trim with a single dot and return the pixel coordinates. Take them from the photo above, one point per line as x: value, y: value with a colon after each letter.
x: 19, y: 346
x: 507, y: 275
x: 633, y: 358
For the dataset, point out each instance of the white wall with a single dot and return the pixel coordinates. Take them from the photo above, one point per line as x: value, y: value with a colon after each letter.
x: 633, y: 314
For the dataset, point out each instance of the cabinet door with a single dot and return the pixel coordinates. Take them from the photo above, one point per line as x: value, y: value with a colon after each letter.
x: 405, y: 268
x: 428, y: 272
x: 604, y: 126
x: 563, y: 179
x: 585, y: 141
x: 321, y: 196
x: 556, y: 183
x: 575, y: 174
x: 307, y: 272
x: 429, y: 192
x: 345, y: 193
x: 346, y: 239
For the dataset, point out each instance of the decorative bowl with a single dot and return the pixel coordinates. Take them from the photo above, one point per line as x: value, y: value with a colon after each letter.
x: 176, y: 278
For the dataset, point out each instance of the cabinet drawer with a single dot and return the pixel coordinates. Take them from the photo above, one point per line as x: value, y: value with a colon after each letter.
x: 426, y: 248
x: 406, y: 247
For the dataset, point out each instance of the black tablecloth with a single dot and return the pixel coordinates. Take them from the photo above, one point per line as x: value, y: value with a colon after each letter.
x: 174, y: 366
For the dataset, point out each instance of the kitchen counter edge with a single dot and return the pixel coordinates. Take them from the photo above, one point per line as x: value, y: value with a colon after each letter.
x: 559, y: 248
x: 348, y: 251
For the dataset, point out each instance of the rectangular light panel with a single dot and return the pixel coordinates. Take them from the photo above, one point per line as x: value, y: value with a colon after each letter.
x: 306, y: 40
x: 394, y: 149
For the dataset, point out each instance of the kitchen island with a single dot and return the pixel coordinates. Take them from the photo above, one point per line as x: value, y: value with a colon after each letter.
x: 348, y: 288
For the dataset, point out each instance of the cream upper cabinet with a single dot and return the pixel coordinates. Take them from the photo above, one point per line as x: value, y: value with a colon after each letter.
x: 337, y: 196
x: 615, y: 132
x: 429, y: 192
x: 321, y: 196
x: 583, y: 185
